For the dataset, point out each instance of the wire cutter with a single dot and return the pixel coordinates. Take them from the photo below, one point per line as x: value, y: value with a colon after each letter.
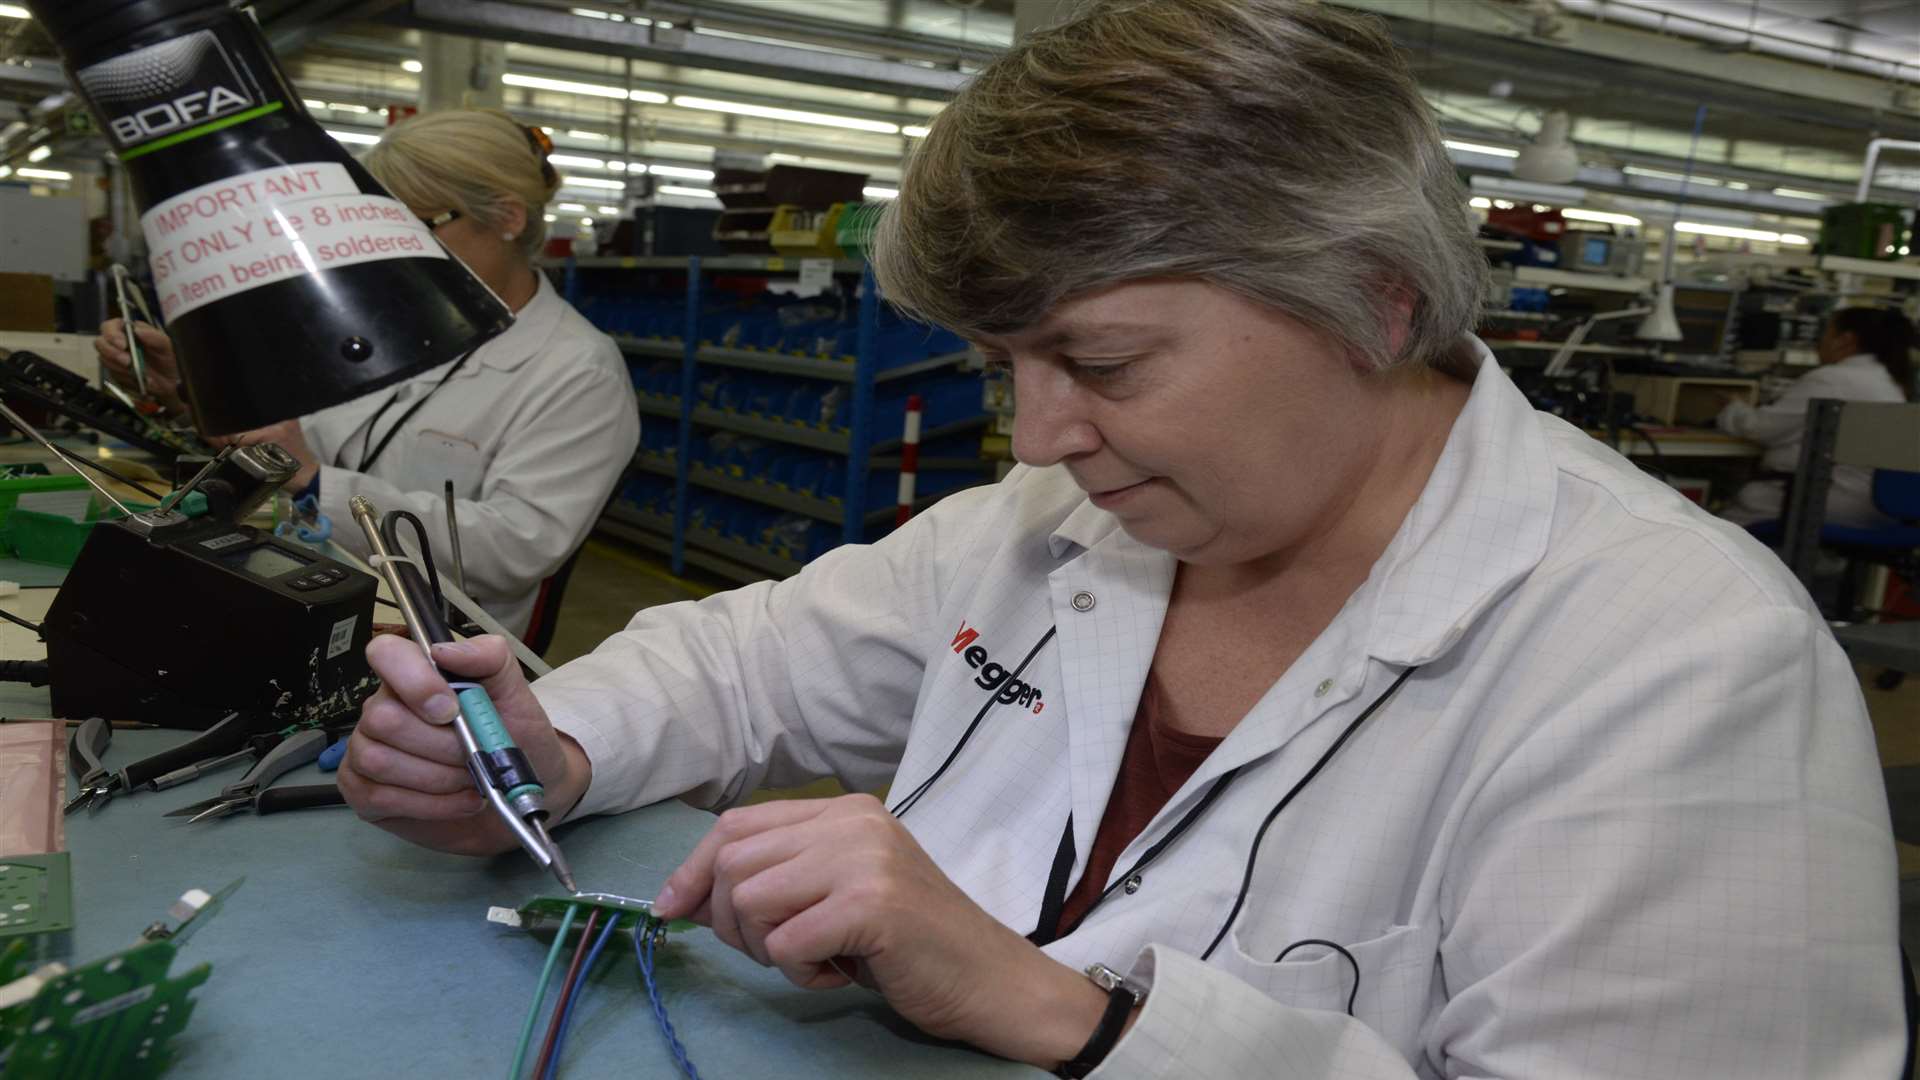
x: 251, y: 791
x: 87, y: 751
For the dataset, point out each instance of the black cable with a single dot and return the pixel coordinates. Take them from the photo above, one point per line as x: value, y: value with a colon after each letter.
x: 1659, y: 459
x: 1246, y: 879
x: 18, y: 621
x: 31, y: 672
x: 389, y: 529
x: 1336, y: 947
x: 76, y: 459
x: 993, y: 698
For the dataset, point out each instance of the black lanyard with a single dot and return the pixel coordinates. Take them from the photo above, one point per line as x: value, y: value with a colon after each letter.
x: 368, y: 458
x: 1049, y: 928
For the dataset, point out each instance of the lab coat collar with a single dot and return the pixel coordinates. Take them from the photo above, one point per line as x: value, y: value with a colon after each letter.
x: 532, y: 327
x: 1480, y: 525
x: 1859, y: 361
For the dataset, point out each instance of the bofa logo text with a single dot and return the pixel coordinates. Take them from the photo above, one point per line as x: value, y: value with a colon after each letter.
x: 182, y: 112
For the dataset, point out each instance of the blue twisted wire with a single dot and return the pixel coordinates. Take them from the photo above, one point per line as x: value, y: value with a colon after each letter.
x: 644, y: 937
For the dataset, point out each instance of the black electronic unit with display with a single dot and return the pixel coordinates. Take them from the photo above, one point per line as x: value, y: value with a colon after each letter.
x: 179, y: 621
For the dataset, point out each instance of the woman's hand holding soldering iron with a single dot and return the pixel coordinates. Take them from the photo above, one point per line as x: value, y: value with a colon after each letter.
x: 163, y: 371
x: 827, y: 888
x: 405, y: 770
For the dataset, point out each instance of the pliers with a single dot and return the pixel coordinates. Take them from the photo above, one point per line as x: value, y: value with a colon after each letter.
x: 87, y: 750
x: 255, y: 792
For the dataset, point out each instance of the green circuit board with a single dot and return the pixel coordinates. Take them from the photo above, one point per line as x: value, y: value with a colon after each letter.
x: 112, y: 1019
x: 109, y: 1020
x: 36, y: 894
x: 543, y: 915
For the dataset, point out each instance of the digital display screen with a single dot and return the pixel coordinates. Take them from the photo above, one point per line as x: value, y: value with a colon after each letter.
x: 1595, y: 251
x: 265, y: 561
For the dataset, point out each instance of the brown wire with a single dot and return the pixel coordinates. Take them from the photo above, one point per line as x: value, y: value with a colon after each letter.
x: 566, y: 992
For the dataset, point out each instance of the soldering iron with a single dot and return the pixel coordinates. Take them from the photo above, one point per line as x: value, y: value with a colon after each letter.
x: 500, y: 769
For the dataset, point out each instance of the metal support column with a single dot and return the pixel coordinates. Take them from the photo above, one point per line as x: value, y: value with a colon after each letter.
x: 1806, y: 509
x: 689, y: 378
x: 860, y: 437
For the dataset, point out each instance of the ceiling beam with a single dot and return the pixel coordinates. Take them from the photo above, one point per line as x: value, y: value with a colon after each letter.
x: 560, y: 29
x: 1679, y: 67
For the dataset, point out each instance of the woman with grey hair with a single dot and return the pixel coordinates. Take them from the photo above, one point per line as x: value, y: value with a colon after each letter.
x: 1333, y: 711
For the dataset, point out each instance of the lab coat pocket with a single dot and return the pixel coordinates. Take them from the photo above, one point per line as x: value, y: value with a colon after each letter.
x: 1398, y: 971
x: 438, y: 457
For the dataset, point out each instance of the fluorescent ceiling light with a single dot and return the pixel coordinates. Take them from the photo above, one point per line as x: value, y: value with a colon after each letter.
x: 620, y: 166
x: 1796, y: 238
x: 412, y: 66
x: 880, y: 193
x: 577, y: 162
x: 914, y: 131
x: 40, y: 153
x: 312, y: 104
x: 686, y: 192
x: 1794, y: 193
x: 593, y: 182
x: 678, y: 172
x: 590, y: 136
x: 548, y: 218
x: 567, y: 86
x: 1601, y: 216
x: 574, y: 206
x: 354, y: 138
x: 586, y: 221
x: 5, y: 171
x: 1479, y: 203
x: 798, y: 116
x: 43, y: 174
x: 1733, y: 233
x: 612, y: 16
x: 608, y: 209
x: 1481, y: 148
x: 338, y: 106
x: 14, y: 11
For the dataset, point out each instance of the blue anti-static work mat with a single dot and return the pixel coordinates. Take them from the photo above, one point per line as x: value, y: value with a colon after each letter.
x: 350, y: 953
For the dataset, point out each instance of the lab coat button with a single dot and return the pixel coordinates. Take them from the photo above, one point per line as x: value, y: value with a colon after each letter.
x: 1083, y: 601
x: 1321, y: 690
x: 1132, y: 885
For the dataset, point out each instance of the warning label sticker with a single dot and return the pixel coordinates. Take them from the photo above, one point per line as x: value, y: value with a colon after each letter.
x: 223, y: 238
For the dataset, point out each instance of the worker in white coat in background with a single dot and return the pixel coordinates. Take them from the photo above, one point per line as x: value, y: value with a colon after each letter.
x: 534, y: 427
x: 1359, y: 719
x: 1864, y: 356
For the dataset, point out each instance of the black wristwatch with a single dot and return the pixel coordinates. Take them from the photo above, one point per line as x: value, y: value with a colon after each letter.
x: 1122, y: 995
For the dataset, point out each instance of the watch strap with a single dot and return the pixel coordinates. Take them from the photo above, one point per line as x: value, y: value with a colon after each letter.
x: 1120, y: 1002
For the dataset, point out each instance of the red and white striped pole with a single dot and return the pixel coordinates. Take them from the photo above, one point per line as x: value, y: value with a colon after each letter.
x: 909, y: 460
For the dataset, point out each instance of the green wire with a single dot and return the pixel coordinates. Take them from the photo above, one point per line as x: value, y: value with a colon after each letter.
x: 540, y: 993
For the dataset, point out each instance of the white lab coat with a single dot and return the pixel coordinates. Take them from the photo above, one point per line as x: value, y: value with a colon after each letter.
x: 1781, y: 425
x: 534, y: 431
x: 1624, y: 821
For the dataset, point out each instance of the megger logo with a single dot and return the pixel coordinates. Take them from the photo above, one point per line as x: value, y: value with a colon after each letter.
x: 1008, y: 690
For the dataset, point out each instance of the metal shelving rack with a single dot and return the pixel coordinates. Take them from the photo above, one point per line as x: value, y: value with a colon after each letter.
x: 675, y: 536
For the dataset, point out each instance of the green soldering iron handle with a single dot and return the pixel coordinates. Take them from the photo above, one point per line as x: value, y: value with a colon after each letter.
x: 491, y: 736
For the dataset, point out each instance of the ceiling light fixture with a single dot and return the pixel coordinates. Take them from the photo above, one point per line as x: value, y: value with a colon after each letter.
x: 1481, y: 148
x: 592, y: 182
x: 1602, y: 216
x: 677, y: 172
x: 43, y: 174
x: 568, y: 86
x: 685, y: 192
x: 413, y: 67
x: 880, y: 192
x: 352, y: 138
x: 40, y: 153
x: 798, y: 116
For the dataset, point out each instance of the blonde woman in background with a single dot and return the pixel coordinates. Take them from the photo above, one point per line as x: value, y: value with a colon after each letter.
x: 533, y: 428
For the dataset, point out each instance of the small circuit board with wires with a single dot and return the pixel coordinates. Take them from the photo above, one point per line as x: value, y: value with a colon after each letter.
x: 590, y: 921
